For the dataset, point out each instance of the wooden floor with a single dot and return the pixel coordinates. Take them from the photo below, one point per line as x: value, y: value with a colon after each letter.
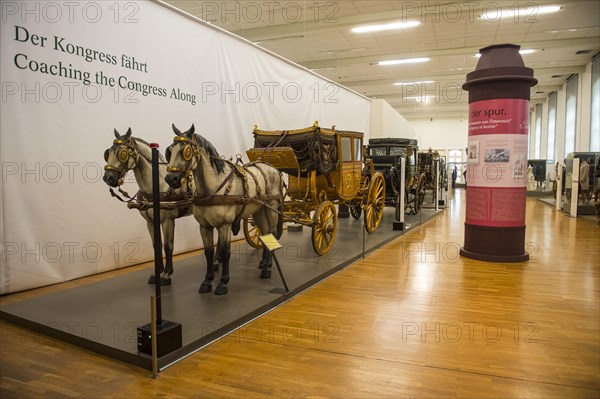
x: 411, y: 320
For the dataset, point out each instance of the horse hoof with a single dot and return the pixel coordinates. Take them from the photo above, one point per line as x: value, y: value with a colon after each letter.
x: 221, y: 289
x: 151, y: 280
x: 165, y: 281
x: 265, y: 274
x: 204, y: 288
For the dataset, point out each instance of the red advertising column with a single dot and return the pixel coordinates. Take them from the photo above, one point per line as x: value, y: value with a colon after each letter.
x: 497, y: 155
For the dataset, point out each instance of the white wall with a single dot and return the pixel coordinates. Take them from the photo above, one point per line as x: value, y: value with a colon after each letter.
x: 441, y: 133
x: 387, y: 122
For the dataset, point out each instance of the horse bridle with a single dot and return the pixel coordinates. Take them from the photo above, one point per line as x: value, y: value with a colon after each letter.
x: 190, y: 150
x: 123, y: 156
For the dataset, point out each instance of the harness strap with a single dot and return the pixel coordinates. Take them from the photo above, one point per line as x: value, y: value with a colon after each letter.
x: 167, y: 196
x: 182, y: 206
x: 258, y: 189
x: 125, y: 194
x: 229, y: 181
x: 264, y: 175
x: 216, y: 200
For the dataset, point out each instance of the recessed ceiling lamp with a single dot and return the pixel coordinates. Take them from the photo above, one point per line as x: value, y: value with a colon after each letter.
x: 388, y: 26
x: 404, y: 61
x: 571, y: 29
x: 413, y: 83
x: 522, y: 12
x: 522, y: 52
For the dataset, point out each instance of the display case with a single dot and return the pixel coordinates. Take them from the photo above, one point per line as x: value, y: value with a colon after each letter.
x: 587, y: 180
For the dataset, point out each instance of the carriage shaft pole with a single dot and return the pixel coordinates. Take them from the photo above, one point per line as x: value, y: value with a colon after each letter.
x: 158, y: 261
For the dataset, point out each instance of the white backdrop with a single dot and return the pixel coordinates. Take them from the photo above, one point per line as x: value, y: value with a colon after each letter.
x: 57, y: 220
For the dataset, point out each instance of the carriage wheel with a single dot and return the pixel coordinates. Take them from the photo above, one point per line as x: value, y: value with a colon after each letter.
x: 324, y: 227
x: 356, y: 211
x: 251, y: 233
x: 420, y: 193
x: 375, y: 203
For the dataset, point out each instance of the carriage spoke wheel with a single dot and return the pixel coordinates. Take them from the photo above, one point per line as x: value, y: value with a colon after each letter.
x: 251, y: 233
x: 356, y: 211
x: 375, y: 203
x: 324, y: 227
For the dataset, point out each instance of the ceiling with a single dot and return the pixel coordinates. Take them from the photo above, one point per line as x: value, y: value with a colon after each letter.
x: 317, y: 35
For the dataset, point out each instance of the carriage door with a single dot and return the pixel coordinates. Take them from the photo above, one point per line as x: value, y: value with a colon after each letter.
x: 346, y: 168
x: 358, y: 165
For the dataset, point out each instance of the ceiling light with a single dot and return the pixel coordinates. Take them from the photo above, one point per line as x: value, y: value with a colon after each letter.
x: 404, y: 61
x: 421, y: 99
x: 389, y: 26
x: 522, y: 52
x: 413, y: 83
x: 527, y: 12
x: 571, y: 29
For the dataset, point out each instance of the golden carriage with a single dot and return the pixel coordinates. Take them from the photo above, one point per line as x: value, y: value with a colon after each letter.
x: 325, y: 169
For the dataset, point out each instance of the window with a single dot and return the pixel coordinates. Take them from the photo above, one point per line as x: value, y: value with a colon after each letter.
x: 397, y: 151
x: 571, y: 115
x: 595, y: 110
x: 550, y: 149
x: 346, y: 149
x: 358, y: 149
x: 378, y: 151
x: 537, y: 144
x: 455, y: 160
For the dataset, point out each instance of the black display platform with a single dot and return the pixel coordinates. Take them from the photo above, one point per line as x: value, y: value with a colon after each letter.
x: 582, y: 210
x: 103, y: 316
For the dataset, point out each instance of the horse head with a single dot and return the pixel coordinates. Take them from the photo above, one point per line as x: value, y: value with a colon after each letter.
x: 120, y: 158
x: 181, y: 156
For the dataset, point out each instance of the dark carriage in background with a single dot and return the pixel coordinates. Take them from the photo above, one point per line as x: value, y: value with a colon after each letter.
x: 325, y: 168
x: 386, y: 155
x: 539, y: 172
x: 427, y: 160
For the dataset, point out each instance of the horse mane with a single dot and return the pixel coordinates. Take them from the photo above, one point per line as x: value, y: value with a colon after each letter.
x: 215, y: 158
x: 146, y: 151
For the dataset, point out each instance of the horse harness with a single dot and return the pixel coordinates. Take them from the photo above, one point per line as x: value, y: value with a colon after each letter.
x: 192, y: 148
x: 171, y: 199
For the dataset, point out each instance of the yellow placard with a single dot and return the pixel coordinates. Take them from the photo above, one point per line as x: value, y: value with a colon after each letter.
x: 270, y: 242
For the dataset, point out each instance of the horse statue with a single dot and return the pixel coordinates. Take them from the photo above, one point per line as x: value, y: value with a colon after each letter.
x: 225, y: 194
x: 132, y: 153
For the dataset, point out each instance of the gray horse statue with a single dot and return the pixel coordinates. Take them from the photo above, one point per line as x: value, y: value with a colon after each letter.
x: 225, y: 194
x: 131, y: 153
